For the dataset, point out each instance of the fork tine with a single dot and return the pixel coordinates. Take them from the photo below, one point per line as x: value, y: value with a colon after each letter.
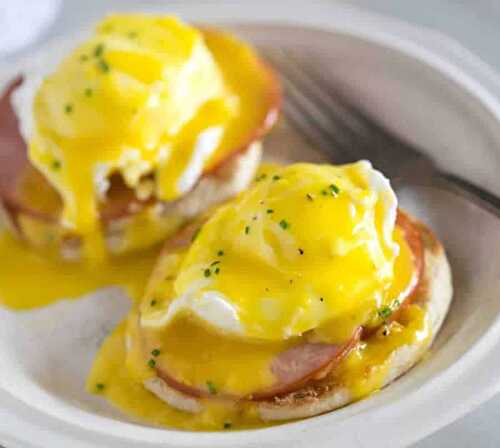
x: 354, y: 134
x: 313, y: 85
x: 314, y: 82
x: 309, y: 117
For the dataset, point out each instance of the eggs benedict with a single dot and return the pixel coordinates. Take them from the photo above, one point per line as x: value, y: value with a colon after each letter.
x: 308, y: 291
x: 136, y: 131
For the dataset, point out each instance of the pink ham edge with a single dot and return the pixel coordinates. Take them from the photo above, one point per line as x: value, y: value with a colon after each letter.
x: 292, y: 368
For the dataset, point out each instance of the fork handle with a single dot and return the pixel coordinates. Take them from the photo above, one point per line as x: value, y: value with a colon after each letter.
x: 475, y: 193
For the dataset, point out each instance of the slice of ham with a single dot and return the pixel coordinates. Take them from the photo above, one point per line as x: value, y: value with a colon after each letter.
x: 292, y: 369
x: 308, y: 361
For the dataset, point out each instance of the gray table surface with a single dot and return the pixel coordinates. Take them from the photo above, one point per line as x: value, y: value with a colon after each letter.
x: 476, y: 24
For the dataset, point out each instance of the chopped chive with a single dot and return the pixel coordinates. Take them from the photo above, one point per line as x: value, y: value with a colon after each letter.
x: 217, y: 270
x: 211, y: 387
x: 261, y: 177
x: 269, y: 211
x: 103, y: 65
x: 156, y: 352
x: 68, y: 108
x: 284, y: 224
x: 56, y: 165
x: 334, y: 189
x: 385, y: 312
x: 195, y: 234
x: 276, y: 177
x: 88, y: 92
x: 321, y: 299
x: 220, y: 253
x: 324, y: 192
x: 99, y: 387
x: 247, y: 230
x: 207, y: 272
x: 254, y: 218
x: 153, y: 302
x: 98, y: 50
x: 227, y: 425
x: 310, y: 197
x: 214, y: 262
x: 301, y: 251
x: 152, y: 363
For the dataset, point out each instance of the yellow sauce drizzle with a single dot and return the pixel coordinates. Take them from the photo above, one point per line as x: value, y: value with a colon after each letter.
x: 109, y: 378
x: 30, y: 279
x: 366, y: 368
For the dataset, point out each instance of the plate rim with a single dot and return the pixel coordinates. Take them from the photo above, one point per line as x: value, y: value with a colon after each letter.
x: 450, y: 58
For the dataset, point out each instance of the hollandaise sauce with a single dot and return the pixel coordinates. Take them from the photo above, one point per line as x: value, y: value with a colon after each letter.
x: 30, y: 279
x: 364, y: 372
x: 121, y: 387
x: 145, y: 97
x: 308, y: 255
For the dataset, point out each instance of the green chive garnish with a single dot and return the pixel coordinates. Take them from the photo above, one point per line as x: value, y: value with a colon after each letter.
x: 103, y: 65
x: 227, y: 425
x: 98, y: 50
x: 152, y: 363
x: 88, y: 92
x: 155, y: 352
x: 211, y: 387
x: 334, y: 189
x: 220, y: 253
x: 385, y: 312
x: 269, y: 211
x: 99, y: 387
x: 284, y: 224
x: 153, y: 302
x: 247, y: 230
x: 195, y: 234
x: 207, y: 272
x: 68, y: 108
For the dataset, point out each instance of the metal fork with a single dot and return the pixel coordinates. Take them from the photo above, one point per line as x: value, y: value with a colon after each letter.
x: 322, y: 114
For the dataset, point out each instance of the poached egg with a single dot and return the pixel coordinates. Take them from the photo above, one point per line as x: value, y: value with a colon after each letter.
x: 147, y: 99
x: 305, y: 247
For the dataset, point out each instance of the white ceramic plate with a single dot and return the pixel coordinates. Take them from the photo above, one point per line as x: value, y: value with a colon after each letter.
x: 424, y: 87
